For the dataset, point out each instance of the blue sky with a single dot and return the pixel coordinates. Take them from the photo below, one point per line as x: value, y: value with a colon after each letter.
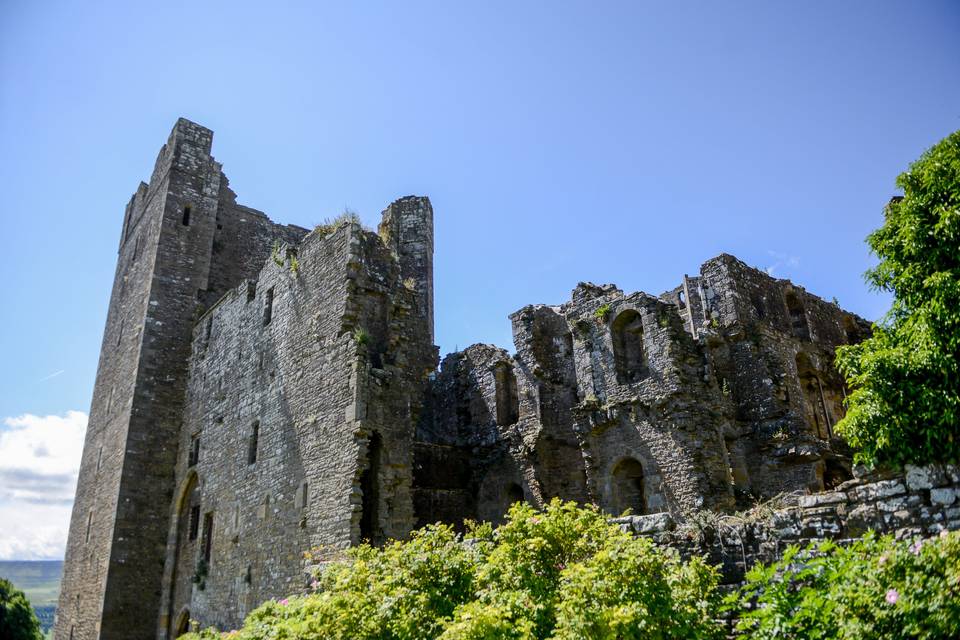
x: 559, y: 142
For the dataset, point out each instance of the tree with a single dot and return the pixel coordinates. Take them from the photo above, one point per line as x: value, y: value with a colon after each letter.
x: 905, y: 404
x: 17, y: 619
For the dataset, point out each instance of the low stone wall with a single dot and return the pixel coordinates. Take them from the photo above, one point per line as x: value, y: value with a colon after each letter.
x: 918, y: 502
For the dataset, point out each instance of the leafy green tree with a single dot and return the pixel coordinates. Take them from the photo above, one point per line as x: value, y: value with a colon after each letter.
x: 905, y: 404
x: 17, y: 618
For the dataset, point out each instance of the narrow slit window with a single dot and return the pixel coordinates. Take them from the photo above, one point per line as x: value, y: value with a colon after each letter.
x: 254, y: 443
x: 89, y: 523
x: 207, y: 535
x: 268, y: 307
x: 194, y: 521
x: 194, y: 457
x: 99, y: 458
x: 186, y: 216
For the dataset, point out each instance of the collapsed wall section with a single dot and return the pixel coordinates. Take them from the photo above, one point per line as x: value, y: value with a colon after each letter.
x: 712, y: 395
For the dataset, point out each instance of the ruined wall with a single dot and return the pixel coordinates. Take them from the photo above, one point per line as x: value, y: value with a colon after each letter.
x: 919, y: 502
x: 713, y: 394
x: 770, y: 347
x: 298, y: 424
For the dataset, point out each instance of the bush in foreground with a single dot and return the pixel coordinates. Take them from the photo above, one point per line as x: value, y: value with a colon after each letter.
x: 560, y: 573
x: 565, y: 573
x: 875, y: 588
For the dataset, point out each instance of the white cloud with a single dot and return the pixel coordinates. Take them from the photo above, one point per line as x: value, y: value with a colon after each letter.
x: 39, y: 463
x: 780, y: 260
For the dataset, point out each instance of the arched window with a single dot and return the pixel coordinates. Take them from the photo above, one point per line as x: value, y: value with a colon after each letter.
x: 514, y: 493
x: 370, y: 487
x: 183, y: 624
x: 626, y: 488
x: 508, y: 404
x: 628, y: 355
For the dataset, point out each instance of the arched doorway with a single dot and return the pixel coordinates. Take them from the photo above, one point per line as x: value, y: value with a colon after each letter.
x: 182, y: 625
x: 627, y: 488
x: 185, y: 551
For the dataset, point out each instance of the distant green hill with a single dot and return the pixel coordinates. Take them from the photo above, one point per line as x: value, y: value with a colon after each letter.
x: 40, y: 581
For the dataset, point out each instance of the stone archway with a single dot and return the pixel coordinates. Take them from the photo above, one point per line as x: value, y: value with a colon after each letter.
x: 626, y: 488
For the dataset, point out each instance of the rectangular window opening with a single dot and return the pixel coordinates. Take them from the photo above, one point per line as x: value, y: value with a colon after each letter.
x: 254, y: 443
x: 194, y: 456
x: 186, y: 216
x: 194, y: 521
x: 268, y: 307
x: 207, y: 535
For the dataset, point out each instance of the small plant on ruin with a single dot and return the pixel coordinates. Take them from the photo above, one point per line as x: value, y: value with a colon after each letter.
x: 905, y: 379
x: 360, y: 337
x: 275, y: 254
x: 347, y: 216
x: 725, y: 387
x: 602, y: 313
x: 294, y: 264
x: 200, y: 574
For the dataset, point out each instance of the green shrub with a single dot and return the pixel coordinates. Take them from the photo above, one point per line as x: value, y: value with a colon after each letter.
x: 17, y: 618
x: 875, y: 588
x: 531, y: 578
x: 605, y: 597
x: 905, y: 404
x: 602, y: 313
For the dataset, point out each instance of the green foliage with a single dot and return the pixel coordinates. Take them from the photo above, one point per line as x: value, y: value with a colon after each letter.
x: 360, y: 337
x: 200, y: 574
x: 875, y: 588
x: 17, y: 619
x: 602, y: 313
x: 563, y: 572
x: 275, y: 254
x: 604, y: 597
x: 328, y: 226
x: 905, y: 405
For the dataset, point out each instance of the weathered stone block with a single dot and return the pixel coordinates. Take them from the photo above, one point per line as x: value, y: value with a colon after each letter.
x: 879, y: 490
x: 927, y: 477
x: 652, y: 523
x: 943, y: 497
x: 819, y: 499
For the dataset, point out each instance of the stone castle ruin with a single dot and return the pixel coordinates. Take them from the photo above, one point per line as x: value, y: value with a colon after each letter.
x: 264, y: 389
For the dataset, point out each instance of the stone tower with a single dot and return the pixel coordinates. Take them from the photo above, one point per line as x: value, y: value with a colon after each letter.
x: 181, y: 238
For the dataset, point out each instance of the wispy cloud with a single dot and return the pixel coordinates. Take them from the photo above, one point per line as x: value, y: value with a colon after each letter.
x: 780, y: 260
x: 39, y: 463
x: 52, y: 375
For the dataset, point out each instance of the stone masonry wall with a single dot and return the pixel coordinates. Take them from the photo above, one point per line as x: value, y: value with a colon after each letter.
x: 293, y: 376
x: 919, y: 502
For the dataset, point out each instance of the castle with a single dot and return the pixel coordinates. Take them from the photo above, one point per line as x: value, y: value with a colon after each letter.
x: 265, y: 389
